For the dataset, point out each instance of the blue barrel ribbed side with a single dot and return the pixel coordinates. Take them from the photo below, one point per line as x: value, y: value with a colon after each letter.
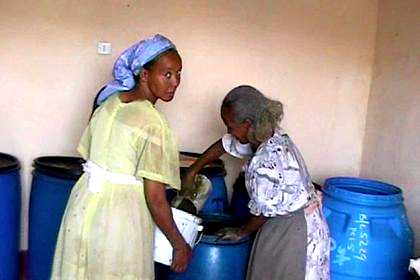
x: 9, y: 223
x: 370, y: 233
x: 49, y: 196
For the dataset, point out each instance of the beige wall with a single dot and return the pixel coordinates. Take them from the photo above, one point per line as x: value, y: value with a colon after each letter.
x: 392, y: 143
x: 315, y: 56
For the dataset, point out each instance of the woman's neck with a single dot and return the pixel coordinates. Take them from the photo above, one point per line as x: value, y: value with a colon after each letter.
x: 139, y: 93
x: 255, y: 146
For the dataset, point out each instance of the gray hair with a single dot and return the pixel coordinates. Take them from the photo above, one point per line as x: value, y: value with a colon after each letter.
x: 250, y: 104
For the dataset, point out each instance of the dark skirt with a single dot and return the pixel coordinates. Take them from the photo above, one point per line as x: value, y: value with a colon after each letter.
x: 279, y: 250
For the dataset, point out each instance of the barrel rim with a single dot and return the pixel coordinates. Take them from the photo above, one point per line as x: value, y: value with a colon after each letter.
x: 14, y: 162
x: 215, y: 168
x: 214, y: 239
x: 44, y: 164
x: 212, y: 217
x: 334, y: 187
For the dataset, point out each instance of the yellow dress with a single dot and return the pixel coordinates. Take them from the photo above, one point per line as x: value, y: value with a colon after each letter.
x: 109, y: 235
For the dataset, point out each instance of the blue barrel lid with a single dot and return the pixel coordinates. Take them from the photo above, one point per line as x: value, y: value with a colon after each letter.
x: 60, y: 166
x: 363, y: 191
x: 8, y: 162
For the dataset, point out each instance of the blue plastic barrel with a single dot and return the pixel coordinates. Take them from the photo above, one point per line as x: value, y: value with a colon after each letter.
x: 217, y: 259
x: 371, y: 236
x: 53, y: 179
x: 9, y: 216
x: 213, y: 258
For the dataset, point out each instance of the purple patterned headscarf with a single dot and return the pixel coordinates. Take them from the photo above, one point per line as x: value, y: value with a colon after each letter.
x: 130, y: 63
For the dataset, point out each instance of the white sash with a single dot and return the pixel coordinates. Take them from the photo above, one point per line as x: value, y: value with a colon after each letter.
x: 99, y: 175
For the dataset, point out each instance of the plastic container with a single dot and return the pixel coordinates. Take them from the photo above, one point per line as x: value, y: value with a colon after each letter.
x: 193, y: 199
x: 9, y: 216
x: 371, y: 237
x: 53, y: 180
x: 189, y: 227
x: 217, y: 202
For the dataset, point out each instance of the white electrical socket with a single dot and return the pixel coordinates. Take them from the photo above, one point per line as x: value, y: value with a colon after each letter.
x: 104, y: 48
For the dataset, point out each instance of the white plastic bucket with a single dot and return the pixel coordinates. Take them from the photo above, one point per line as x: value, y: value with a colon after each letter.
x: 188, y: 225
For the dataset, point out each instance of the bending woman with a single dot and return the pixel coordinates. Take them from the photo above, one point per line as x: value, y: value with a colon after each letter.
x: 293, y: 238
x: 132, y: 156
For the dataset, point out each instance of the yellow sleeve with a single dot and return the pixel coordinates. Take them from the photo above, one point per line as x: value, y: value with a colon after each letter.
x: 84, y: 144
x: 157, y: 155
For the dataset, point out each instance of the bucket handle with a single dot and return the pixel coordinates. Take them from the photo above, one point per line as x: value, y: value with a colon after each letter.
x: 199, y: 238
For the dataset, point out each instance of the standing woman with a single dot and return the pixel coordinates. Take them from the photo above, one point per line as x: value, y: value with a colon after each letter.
x: 293, y: 238
x: 132, y: 156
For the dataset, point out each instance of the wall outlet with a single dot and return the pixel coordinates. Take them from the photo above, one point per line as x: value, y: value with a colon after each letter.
x: 104, y: 48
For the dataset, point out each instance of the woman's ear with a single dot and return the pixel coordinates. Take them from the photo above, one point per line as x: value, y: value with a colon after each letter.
x: 248, y: 123
x: 144, y: 75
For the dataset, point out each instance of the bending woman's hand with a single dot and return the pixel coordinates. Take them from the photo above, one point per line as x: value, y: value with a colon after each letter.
x: 187, y: 181
x: 230, y: 234
x: 236, y: 234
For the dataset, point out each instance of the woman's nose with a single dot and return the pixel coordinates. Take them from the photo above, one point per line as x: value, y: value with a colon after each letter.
x: 176, y: 81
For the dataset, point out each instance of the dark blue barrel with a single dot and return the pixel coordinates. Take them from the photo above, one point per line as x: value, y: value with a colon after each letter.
x: 9, y: 217
x: 370, y: 234
x: 213, y: 258
x: 238, y: 207
x: 53, y: 179
x: 217, y: 259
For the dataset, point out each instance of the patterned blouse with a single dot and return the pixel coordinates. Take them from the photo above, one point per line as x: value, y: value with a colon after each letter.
x: 278, y: 183
x: 276, y: 176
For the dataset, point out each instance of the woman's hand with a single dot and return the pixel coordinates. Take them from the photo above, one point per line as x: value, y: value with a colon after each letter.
x: 230, y: 234
x: 236, y: 234
x: 162, y: 216
x: 181, y: 257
